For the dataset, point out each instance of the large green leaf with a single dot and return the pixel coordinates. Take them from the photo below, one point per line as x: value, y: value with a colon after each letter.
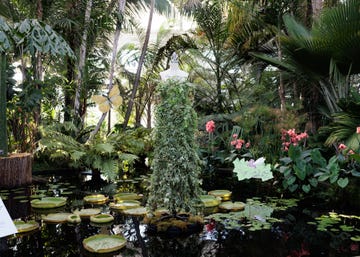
x: 252, y: 169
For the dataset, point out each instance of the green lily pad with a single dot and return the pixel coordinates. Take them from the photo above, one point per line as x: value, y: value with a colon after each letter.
x: 87, y: 213
x: 225, y: 195
x: 73, y: 218
x: 56, y: 218
x: 96, y: 199
x: 48, y: 202
x: 210, y: 200
x: 127, y: 196
x: 28, y: 226
x: 124, y: 204
x: 139, y: 211
x: 232, y: 206
x: 102, y: 218
x: 104, y: 243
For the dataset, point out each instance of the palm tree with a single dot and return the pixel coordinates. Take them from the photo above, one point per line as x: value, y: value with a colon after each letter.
x: 140, y: 65
x: 323, y: 56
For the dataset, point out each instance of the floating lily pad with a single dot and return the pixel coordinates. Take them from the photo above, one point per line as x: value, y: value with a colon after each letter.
x: 102, y: 218
x: 37, y: 196
x: 224, y: 194
x: 125, y: 204
x: 104, y: 243
x: 96, y: 199
x: 232, y: 206
x: 73, y: 218
x: 139, y: 211
x: 127, y: 196
x: 28, y: 226
x: 48, y: 202
x: 56, y: 218
x: 210, y: 200
x: 87, y: 213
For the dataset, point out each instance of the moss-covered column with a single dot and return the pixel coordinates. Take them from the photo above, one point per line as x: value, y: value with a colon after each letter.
x: 175, y: 182
x: 3, y: 129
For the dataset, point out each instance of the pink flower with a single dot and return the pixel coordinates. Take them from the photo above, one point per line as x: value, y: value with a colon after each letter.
x: 247, y: 145
x: 342, y: 147
x: 351, y: 152
x: 235, y: 135
x: 358, y: 130
x: 210, y: 126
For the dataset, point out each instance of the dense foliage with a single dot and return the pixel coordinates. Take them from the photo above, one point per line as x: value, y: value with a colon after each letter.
x: 175, y: 183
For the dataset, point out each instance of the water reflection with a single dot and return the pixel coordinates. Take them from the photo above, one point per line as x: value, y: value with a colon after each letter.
x: 290, y: 236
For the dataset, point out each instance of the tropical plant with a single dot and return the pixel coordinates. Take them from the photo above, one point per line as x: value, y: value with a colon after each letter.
x: 32, y: 37
x: 324, y: 56
x: 175, y: 183
x: 102, y: 154
x: 342, y: 127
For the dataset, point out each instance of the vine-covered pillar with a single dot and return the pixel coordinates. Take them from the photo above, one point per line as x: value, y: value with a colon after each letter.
x: 175, y: 179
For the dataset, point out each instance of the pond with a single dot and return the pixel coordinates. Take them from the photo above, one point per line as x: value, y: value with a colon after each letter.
x: 267, y: 226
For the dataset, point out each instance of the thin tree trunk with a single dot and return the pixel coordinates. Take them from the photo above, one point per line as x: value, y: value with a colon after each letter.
x: 281, y: 88
x: 38, y: 66
x: 141, y: 62
x: 81, y: 64
x: 121, y: 8
x: 3, y: 129
x: 316, y: 7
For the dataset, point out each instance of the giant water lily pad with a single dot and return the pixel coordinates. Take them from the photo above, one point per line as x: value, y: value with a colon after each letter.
x: 102, y: 218
x: 48, y: 202
x: 96, y: 199
x: 124, y: 204
x: 139, y: 211
x: 224, y: 194
x: 232, y: 206
x: 28, y: 226
x: 104, y: 243
x: 73, y: 218
x: 56, y: 218
x: 210, y: 200
x: 127, y: 196
x: 87, y: 213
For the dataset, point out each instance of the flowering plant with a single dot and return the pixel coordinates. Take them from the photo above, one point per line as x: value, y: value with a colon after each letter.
x: 305, y: 168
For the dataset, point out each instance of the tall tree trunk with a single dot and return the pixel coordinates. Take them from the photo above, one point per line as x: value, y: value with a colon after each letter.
x: 121, y: 8
x: 38, y: 67
x: 141, y: 63
x: 316, y: 7
x: 81, y: 64
x: 3, y: 127
x: 281, y: 88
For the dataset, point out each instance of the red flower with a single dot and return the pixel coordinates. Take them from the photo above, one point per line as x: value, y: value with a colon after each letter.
x: 210, y: 126
x: 342, y: 147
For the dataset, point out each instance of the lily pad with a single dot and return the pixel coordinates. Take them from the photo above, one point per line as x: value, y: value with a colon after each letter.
x: 48, y: 202
x: 96, y: 199
x: 139, y: 211
x: 102, y: 218
x: 210, y: 200
x: 87, y: 213
x: 28, y: 226
x: 56, y: 218
x: 232, y: 206
x: 73, y: 218
x: 104, y: 243
x: 124, y: 204
x: 224, y: 194
x: 127, y: 196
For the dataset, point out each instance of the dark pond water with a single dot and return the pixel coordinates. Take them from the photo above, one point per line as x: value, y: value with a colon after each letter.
x: 267, y: 227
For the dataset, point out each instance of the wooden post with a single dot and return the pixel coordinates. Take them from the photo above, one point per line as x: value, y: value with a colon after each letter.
x: 15, y: 170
